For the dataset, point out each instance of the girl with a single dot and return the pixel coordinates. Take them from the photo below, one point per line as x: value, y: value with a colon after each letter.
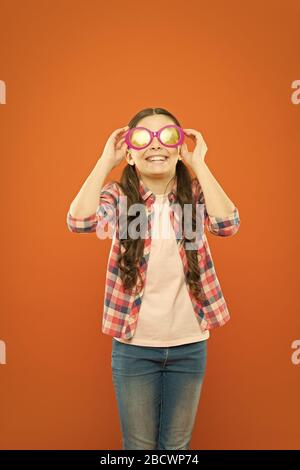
x: 162, y: 294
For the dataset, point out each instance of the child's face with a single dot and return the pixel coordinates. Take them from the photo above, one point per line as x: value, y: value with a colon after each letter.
x: 146, y: 167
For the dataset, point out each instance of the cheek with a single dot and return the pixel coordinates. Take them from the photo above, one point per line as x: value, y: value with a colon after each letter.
x: 139, y: 159
x: 174, y: 156
x: 174, y: 153
x: 139, y: 156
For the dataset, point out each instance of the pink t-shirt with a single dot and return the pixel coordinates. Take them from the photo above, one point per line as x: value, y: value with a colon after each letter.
x: 166, y: 316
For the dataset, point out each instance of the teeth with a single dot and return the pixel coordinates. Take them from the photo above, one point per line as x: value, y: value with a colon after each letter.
x: 157, y: 159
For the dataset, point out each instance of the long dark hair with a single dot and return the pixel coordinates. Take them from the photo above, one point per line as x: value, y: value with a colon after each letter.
x: 129, y: 260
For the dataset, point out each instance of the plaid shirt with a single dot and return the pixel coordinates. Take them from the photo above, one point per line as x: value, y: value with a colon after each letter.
x: 120, y: 314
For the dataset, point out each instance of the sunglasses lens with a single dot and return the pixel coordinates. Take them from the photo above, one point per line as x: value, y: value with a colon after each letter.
x: 170, y: 136
x: 140, y: 137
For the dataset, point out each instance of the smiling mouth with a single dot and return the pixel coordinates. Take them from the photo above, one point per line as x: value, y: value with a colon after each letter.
x: 157, y: 158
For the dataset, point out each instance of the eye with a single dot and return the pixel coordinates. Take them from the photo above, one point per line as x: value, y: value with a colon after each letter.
x: 140, y: 137
x: 170, y: 135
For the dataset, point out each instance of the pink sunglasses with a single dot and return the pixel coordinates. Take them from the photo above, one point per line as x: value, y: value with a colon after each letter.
x: 139, y: 138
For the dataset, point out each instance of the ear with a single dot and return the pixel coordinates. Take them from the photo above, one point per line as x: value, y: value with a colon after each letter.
x: 128, y: 157
x: 179, y: 154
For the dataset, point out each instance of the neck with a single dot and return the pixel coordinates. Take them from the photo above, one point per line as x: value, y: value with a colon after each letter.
x: 159, y: 185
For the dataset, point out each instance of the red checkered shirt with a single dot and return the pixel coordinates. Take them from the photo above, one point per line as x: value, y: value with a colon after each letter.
x: 120, y: 313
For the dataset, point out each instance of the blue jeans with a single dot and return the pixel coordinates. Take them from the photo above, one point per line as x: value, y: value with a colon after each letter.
x: 157, y: 391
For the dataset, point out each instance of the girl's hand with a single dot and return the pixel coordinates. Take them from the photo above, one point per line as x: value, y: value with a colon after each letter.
x: 115, y: 148
x: 198, y: 154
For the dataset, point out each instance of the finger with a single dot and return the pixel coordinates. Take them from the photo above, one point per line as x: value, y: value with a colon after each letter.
x: 121, y: 142
x: 120, y: 130
x: 119, y: 134
x: 192, y: 131
x: 189, y: 132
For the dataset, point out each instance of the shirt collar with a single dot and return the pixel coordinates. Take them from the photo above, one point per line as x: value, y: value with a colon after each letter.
x: 147, y: 193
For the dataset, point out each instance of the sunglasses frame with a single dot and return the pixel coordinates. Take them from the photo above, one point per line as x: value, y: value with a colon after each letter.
x: 152, y: 135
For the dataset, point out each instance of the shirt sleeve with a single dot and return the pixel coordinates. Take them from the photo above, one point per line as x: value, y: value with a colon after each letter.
x: 105, y: 212
x: 219, y: 226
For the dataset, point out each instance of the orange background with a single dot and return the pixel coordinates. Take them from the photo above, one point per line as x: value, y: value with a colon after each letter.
x: 74, y: 72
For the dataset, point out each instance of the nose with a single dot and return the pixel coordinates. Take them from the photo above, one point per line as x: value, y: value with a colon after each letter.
x: 155, y: 144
